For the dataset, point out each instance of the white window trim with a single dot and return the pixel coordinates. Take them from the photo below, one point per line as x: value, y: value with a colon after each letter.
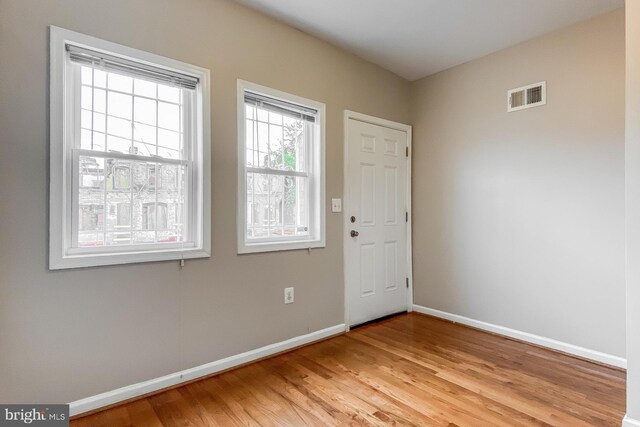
x: 317, y: 203
x: 60, y: 255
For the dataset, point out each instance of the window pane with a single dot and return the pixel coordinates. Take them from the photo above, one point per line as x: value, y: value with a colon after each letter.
x: 299, y: 203
x: 263, y: 115
x: 95, y: 121
x: 118, y: 198
x: 119, y: 175
x: 168, y: 116
x: 90, y: 239
x: 275, y: 118
x: 86, y: 74
x: 86, y: 97
x: 138, y: 121
x: 144, y: 88
x: 274, y: 141
x: 119, y: 105
x: 123, y: 202
x: 290, y: 203
x: 119, y: 127
x: 99, y: 101
x: 277, y: 206
x: 85, y: 139
x: 250, y: 141
x: 120, y: 83
x: 276, y: 146
x: 144, y: 237
x: 145, y: 110
x: 262, y: 145
x: 145, y: 134
x: 250, y: 111
x: 168, y: 93
x: 99, y: 122
x: 169, y: 178
x: 257, y: 199
x: 169, y: 139
x: 295, y: 141
x: 276, y: 199
x: 91, y: 173
x: 86, y: 119
x: 91, y: 203
x: 99, y: 141
x: 89, y: 218
x: 123, y: 214
x: 99, y: 78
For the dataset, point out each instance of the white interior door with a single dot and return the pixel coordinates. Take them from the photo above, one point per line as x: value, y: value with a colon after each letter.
x: 376, y: 205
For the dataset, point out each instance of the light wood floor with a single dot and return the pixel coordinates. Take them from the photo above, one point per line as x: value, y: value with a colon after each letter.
x: 408, y: 370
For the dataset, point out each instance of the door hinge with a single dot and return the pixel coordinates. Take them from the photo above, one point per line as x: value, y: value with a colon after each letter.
x: 407, y: 151
x: 406, y: 217
x: 407, y: 283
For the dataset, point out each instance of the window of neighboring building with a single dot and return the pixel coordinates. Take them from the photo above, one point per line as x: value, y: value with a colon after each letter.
x: 120, y: 118
x: 124, y: 215
x: 281, y: 170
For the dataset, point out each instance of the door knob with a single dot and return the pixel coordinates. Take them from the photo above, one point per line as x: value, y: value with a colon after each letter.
x: 354, y: 233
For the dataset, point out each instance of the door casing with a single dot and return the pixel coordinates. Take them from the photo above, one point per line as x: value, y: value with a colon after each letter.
x: 352, y: 115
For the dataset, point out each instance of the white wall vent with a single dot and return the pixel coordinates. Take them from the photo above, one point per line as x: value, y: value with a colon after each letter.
x: 529, y: 96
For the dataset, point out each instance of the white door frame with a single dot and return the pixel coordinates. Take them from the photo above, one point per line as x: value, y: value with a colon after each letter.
x: 352, y: 115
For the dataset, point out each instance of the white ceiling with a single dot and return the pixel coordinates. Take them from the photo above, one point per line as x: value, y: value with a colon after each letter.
x: 416, y: 38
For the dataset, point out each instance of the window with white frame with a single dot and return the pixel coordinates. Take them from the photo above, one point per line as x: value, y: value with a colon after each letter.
x: 281, y: 170
x: 130, y: 155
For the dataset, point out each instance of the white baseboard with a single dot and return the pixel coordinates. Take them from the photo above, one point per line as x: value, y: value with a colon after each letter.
x: 575, y: 350
x: 630, y: 422
x: 134, y: 390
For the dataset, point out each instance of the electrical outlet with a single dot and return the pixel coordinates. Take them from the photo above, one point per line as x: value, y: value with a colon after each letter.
x: 288, y: 295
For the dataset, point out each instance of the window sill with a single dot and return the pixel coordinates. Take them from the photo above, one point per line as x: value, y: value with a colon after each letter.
x: 95, y: 260
x: 250, y: 248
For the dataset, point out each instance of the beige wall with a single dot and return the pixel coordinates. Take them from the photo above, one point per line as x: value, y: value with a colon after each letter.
x: 70, y: 334
x: 633, y: 208
x: 519, y: 217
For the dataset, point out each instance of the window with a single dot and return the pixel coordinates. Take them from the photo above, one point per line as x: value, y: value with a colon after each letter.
x: 154, y: 217
x: 130, y: 150
x: 124, y: 214
x: 121, y: 175
x: 91, y: 217
x: 280, y: 171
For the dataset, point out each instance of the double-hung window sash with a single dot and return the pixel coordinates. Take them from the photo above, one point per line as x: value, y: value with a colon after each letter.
x: 131, y: 157
x: 278, y: 169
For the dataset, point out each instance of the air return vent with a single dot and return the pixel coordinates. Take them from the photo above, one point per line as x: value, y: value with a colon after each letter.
x: 527, y: 96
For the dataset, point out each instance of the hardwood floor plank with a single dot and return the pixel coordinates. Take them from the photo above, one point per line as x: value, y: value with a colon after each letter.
x: 349, y: 382
x: 519, y: 382
x: 302, y: 397
x: 445, y: 391
x: 409, y: 370
x: 467, y: 368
